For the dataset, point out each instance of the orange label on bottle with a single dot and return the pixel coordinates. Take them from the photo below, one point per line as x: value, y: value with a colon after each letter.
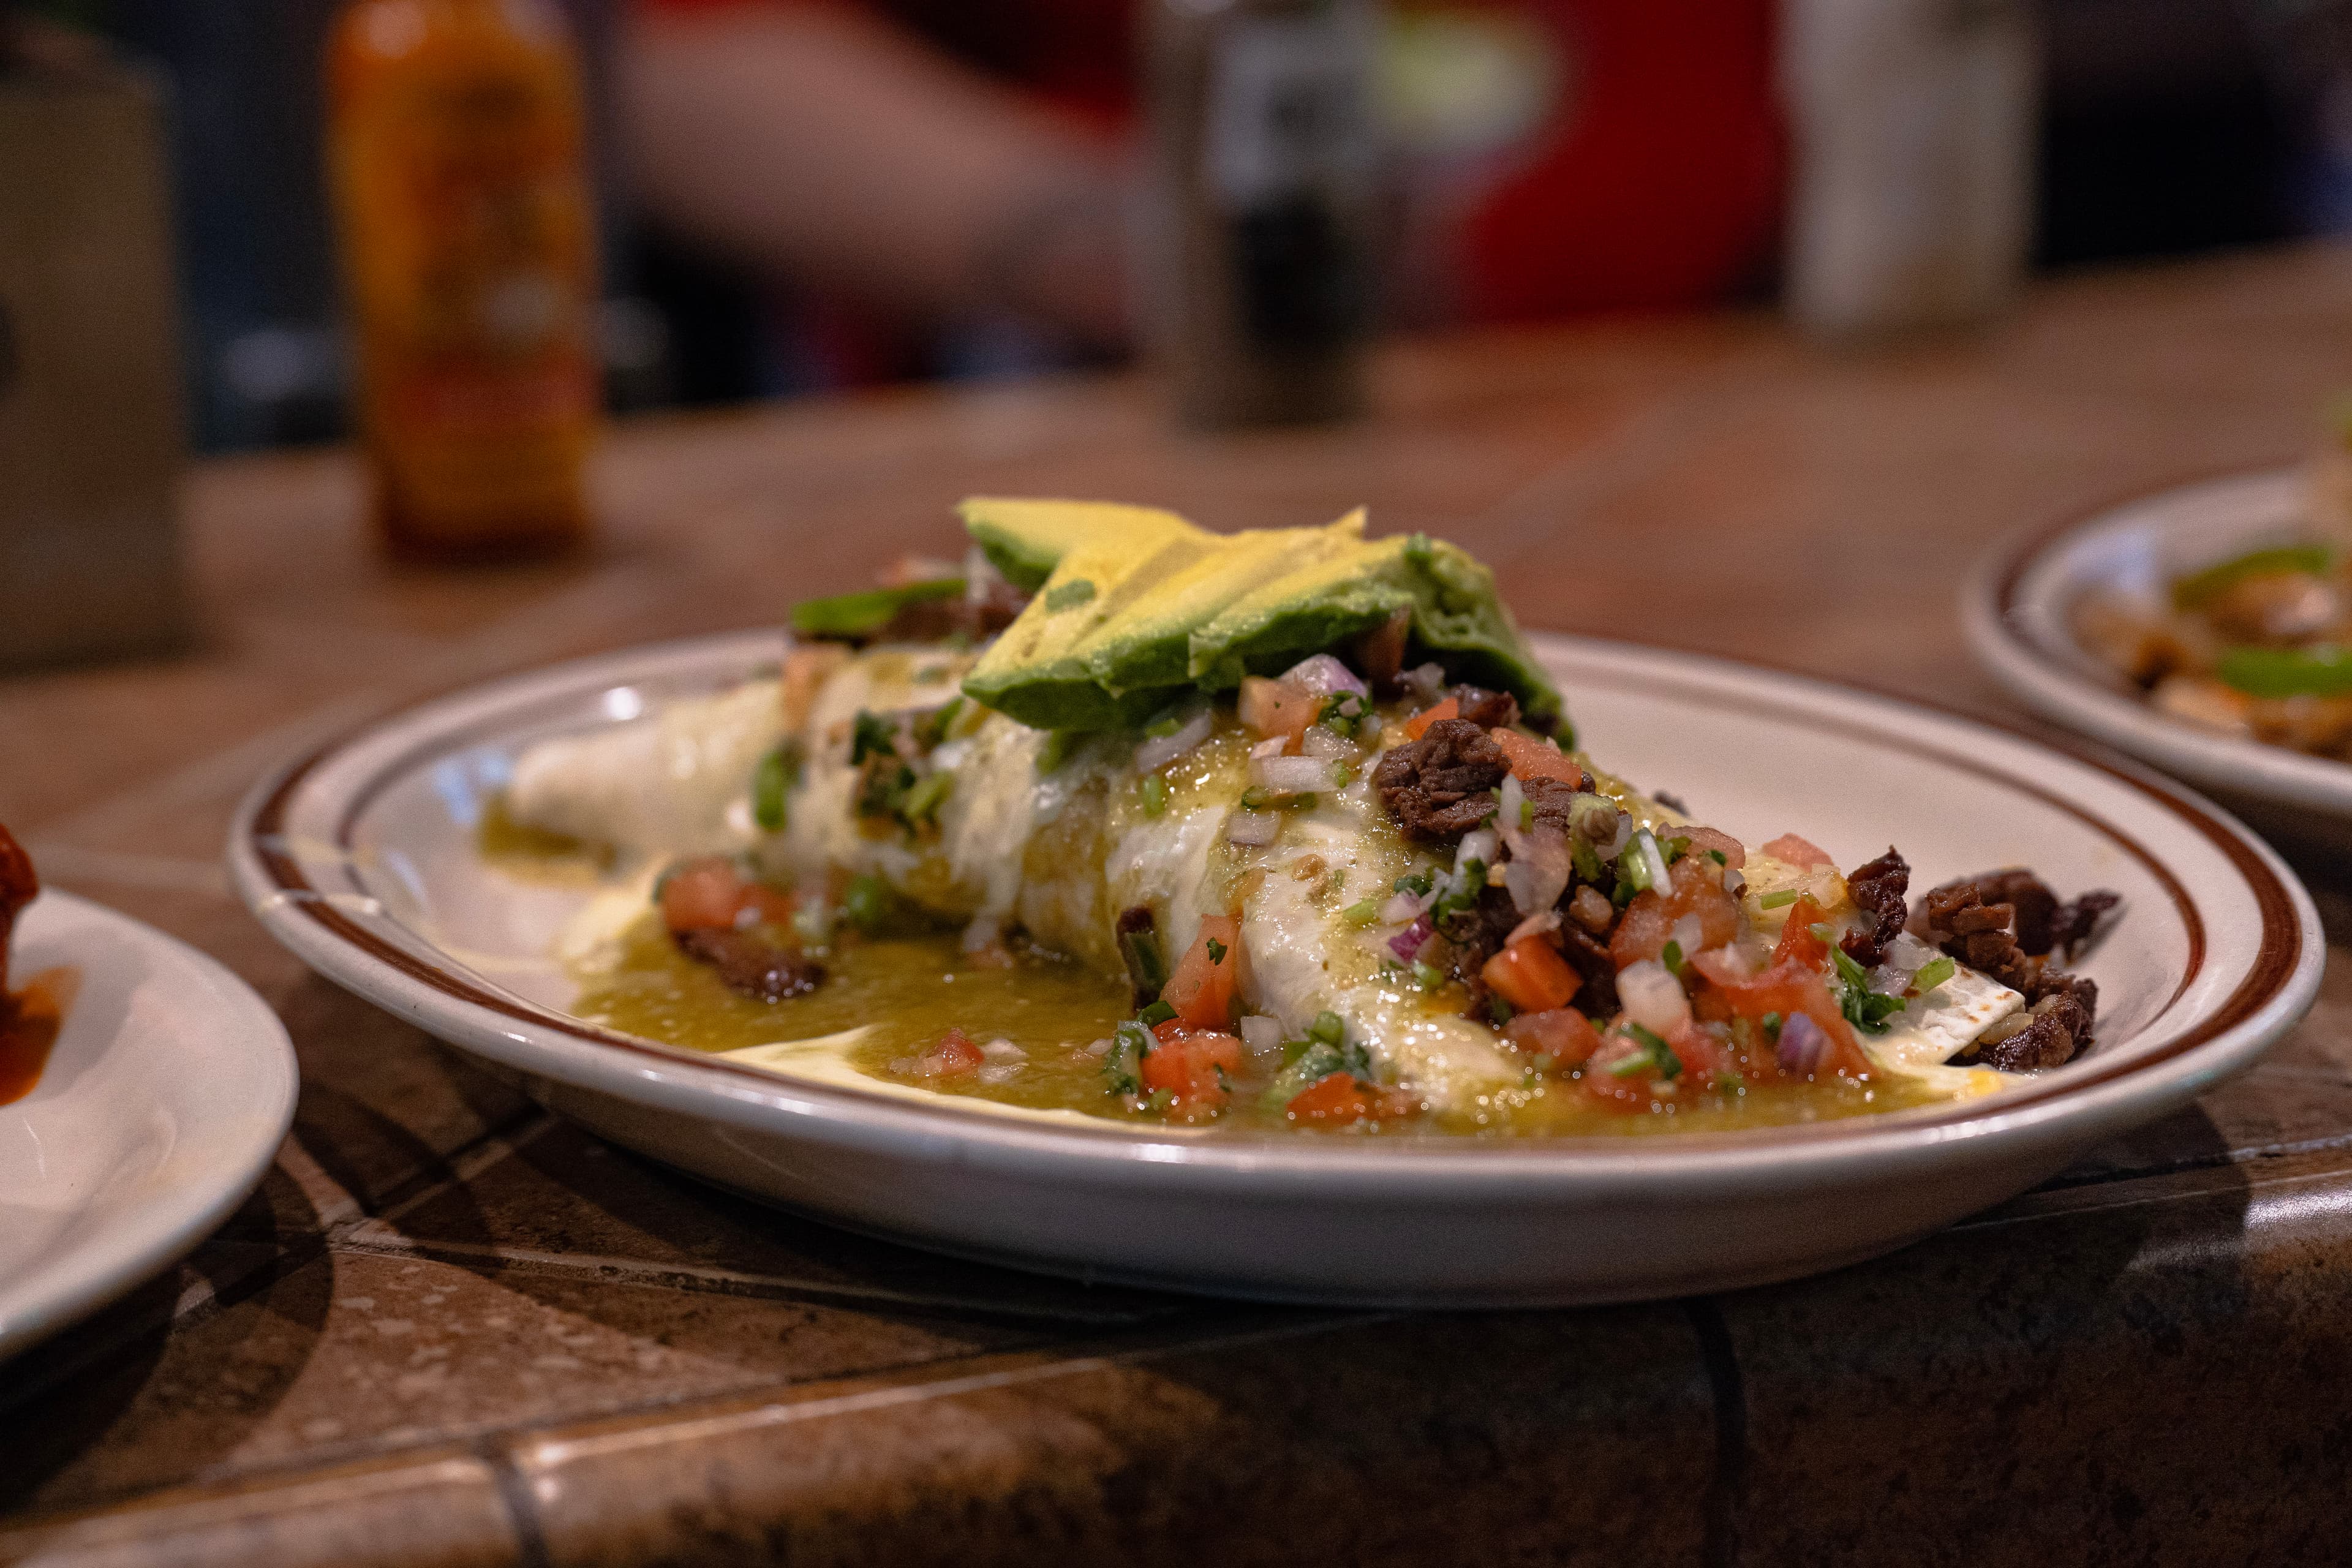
x: 469, y: 251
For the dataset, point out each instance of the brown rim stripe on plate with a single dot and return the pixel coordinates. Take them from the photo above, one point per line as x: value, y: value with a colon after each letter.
x: 2280, y: 952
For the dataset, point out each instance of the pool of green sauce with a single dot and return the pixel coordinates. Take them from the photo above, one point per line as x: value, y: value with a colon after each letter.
x: 913, y: 990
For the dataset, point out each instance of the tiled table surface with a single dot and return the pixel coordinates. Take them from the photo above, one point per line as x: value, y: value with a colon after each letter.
x: 451, y: 1331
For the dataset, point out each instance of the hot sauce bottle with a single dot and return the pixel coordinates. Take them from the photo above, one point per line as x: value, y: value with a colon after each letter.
x: 457, y: 160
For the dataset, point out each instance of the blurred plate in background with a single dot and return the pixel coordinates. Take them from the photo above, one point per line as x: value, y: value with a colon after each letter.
x: 2016, y: 611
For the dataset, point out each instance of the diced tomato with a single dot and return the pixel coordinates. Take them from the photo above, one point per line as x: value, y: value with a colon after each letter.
x: 1529, y: 758
x: 1202, y: 988
x: 1193, y: 1069
x: 1606, y: 1090
x: 1733, y: 853
x: 709, y: 894
x: 1787, y: 989
x: 1798, y: 851
x: 1649, y: 921
x: 1702, y: 1055
x: 1563, y: 1033
x: 954, y: 1055
x: 1334, y: 1098
x: 1799, y: 945
x: 1418, y: 725
x: 1531, y: 976
x: 1272, y: 707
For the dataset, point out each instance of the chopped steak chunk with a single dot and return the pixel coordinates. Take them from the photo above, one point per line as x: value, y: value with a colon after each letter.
x: 756, y: 968
x: 1877, y: 891
x: 1487, y: 709
x: 1438, y: 786
x: 2007, y: 923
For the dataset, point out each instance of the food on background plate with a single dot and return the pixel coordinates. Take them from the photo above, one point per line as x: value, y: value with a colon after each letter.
x: 1121, y: 818
x: 2257, y: 643
x: 29, y: 1018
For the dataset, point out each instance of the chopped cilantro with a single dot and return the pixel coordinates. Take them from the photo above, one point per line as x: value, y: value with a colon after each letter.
x: 1771, y: 1022
x: 1129, y: 1044
x: 1155, y: 1015
x: 1864, y: 1009
x: 1216, y: 951
x: 870, y: 735
x: 1671, y: 955
x: 1361, y: 914
x: 772, y: 786
x: 1428, y: 976
x: 1328, y: 1028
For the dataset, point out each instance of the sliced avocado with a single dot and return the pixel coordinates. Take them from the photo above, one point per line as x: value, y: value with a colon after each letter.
x: 1150, y: 647
x: 1456, y: 619
x: 1038, y: 671
x: 1027, y: 539
x: 1134, y: 608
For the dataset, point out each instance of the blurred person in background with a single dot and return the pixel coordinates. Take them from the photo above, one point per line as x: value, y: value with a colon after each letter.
x: 801, y: 194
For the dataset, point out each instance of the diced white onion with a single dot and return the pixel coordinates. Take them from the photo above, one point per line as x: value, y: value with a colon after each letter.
x: 1003, y: 1072
x: 1734, y: 880
x: 982, y: 934
x: 1001, y: 1050
x: 1688, y: 935
x: 1254, y: 827
x: 1272, y: 746
x: 1293, y: 775
x: 1907, y: 954
x: 1323, y: 675
x: 1328, y: 744
x: 1405, y: 907
x: 1656, y: 862
x: 1425, y: 682
x: 1537, y: 924
x: 1507, y: 814
x: 1478, y: 847
x: 1537, y: 871
x: 1651, y: 996
x: 1261, y: 1034
x: 1099, y: 1049
x: 1160, y: 752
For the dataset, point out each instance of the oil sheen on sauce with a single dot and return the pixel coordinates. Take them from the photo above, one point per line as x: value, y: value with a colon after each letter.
x: 912, y: 991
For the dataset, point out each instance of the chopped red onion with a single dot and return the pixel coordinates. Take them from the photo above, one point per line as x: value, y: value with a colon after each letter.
x: 1651, y: 997
x: 1407, y: 943
x: 1160, y: 752
x: 1802, y: 1046
x: 1324, y: 675
x: 1254, y: 828
x: 1540, y: 923
x: 1293, y: 775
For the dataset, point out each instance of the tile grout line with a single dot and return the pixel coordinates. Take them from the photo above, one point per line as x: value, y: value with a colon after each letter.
x: 1729, y: 1394
x: 688, y: 1276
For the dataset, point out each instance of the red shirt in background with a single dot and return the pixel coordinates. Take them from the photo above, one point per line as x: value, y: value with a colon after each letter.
x: 1649, y: 176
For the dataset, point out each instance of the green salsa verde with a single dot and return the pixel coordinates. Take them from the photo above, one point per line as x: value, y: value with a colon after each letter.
x: 912, y: 990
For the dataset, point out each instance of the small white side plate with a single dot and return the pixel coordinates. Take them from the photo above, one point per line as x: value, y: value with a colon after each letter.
x: 2016, y: 608
x: 170, y: 1089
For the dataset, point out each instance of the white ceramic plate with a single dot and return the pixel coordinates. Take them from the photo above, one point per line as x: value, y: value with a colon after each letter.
x: 2016, y: 606
x: 166, y: 1096
x: 360, y: 859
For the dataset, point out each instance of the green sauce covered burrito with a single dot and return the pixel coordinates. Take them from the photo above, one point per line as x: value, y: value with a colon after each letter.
x: 1125, y: 818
